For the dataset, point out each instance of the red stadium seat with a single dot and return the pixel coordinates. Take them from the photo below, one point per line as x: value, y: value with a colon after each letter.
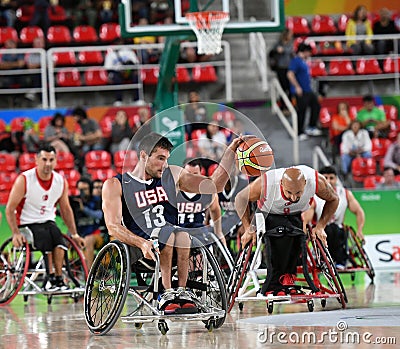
x: 325, y: 117
x: 90, y: 58
x: 371, y: 181
x: 68, y: 78
x: 109, y: 32
x: 3, y: 126
x: 57, y: 14
x: 84, y: 33
x: 4, y: 197
x: 379, y: 147
x: 96, y: 77
x: 390, y: 111
x: 58, y: 35
x: 394, y: 130
x: 211, y: 169
x: 298, y: 25
x: 8, y: 33
x: 65, y: 161
x: 225, y: 116
x: 125, y: 160
x: 28, y: 34
x: 64, y: 58
x: 366, y: 66
x: 205, y: 73
x: 96, y: 159
x: 323, y: 24
x: 7, y: 163
x: 342, y: 23
x: 150, y: 76
x: 24, y: 13
x: 7, y: 180
x: 71, y: 175
x: 318, y: 68
x: 362, y: 167
x: 331, y: 48
x: 26, y: 161
x: 197, y: 133
x: 389, y: 65
x: 106, y: 126
x: 43, y: 122
x: 307, y: 41
x: 102, y: 173
x: 17, y: 124
x: 182, y: 75
x: 341, y: 67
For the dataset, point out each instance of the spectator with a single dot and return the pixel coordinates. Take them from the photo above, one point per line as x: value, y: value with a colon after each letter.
x: 359, y: 24
x: 106, y: 13
x: 385, y: 25
x: 33, y: 61
x: 189, y: 55
x: 284, y: 53
x: 389, y: 180
x: 85, y: 13
x: 91, y: 137
x: 373, y: 119
x: 212, y: 144
x: 121, y: 132
x: 41, y: 15
x: 57, y: 134
x: 340, y: 123
x: 195, y: 114
x: 300, y: 87
x: 119, y: 63
x: 392, y: 156
x: 31, y: 137
x: 150, y: 55
x: 355, y: 143
x: 10, y: 61
x: 7, y: 11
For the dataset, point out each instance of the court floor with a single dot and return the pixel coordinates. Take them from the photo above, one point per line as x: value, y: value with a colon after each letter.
x: 371, y: 320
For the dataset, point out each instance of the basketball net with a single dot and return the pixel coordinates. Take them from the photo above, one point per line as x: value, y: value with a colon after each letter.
x: 208, y: 27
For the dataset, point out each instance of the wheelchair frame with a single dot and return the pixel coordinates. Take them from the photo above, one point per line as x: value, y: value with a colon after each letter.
x: 18, y: 277
x: 110, y: 281
x: 245, y: 284
x: 357, y: 256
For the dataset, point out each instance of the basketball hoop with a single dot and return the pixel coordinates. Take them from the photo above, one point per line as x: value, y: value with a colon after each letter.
x: 208, y: 27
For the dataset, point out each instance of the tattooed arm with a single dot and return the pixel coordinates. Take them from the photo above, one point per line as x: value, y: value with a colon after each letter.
x: 327, y: 193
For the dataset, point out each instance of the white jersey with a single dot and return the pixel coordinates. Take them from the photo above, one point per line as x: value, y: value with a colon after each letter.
x: 275, y: 202
x: 338, y: 217
x: 41, y: 197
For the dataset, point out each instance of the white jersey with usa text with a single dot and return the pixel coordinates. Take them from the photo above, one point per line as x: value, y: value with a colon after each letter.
x: 273, y: 200
x: 338, y: 217
x: 39, y: 203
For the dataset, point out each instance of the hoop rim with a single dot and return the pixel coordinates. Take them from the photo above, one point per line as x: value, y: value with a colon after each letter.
x: 193, y: 16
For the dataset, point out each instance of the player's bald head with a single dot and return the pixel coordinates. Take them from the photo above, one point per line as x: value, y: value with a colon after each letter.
x: 293, y: 183
x: 294, y: 176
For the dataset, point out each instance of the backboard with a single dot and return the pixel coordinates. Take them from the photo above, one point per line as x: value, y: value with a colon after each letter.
x: 245, y: 16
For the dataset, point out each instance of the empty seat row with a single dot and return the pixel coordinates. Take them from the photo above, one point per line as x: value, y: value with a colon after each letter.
x: 200, y: 73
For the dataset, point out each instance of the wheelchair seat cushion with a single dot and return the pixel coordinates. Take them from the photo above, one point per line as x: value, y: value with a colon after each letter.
x: 284, y: 225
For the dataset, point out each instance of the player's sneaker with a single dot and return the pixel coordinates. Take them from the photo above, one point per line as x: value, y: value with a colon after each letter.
x: 287, y: 279
x: 60, y: 283
x: 186, y: 297
x: 167, y: 301
x: 51, y: 284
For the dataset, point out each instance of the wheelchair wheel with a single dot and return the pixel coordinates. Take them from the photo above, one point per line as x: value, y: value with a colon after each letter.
x: 107, y: 287
x: 14, y: 263
x: 206, y: 281
x: 222, y: 256
x: 325, y: 274
x: 358, y: 256
x: 237, y: 275
x: 75, y: 264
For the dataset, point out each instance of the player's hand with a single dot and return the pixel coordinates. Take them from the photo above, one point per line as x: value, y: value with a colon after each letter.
x: 147, y: 249
x: 239, y: 140
x: 18, y: 239
x: 319, y: 233
x: 360, y: 235
x: 79, y: 240
x: 248, y: 235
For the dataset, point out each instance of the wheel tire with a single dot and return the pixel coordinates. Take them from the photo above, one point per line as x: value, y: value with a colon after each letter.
x: 310, y: 305
x: 270, y: 307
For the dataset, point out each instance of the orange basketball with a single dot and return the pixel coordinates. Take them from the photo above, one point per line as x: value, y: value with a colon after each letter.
x: 254, y: 157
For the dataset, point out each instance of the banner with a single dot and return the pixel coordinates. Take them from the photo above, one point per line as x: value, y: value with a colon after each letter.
x: 383, y: 250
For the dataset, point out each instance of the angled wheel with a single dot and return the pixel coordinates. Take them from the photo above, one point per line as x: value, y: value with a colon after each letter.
x: 14, y: 263
x: 222, y: 256
x: 107, y: 287
x: 75, y: 265
x: 206, y: 280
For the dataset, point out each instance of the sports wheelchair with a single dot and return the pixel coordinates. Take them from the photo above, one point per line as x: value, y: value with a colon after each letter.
x: 119, y: 270
x: 21, y: 273
x: 357, y: 256
x: 316, y: 279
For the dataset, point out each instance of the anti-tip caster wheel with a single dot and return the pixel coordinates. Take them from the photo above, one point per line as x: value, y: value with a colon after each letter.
x: 323, y: 302
x: 138, y: 325
x: 241, y: 306
x: 310, y: 305
x: 270, y: 307
x: 163, y: 328
x: 210, y: 325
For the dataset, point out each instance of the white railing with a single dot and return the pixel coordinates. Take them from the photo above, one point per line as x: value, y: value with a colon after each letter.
x: 258, y: 55
x: 26, y: 72
x: 292, y: 128
x: 318, y: 156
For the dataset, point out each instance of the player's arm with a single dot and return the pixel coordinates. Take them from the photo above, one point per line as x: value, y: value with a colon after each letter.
x: 68, y: 216
x: 327, y: 193
x: 308, y: 216
x: 248, y: 194
x: 112, y: 208
x: 355, y: 207
x: 16, y: 195
x: 215, y: 214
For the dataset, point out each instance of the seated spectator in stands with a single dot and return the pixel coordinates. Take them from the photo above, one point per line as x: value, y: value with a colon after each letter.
x: 359, y: 24
x: 389, y: 180
x: 85, y: 13
x: 121, y: 132
x: 190, y: 55
x: 212, y: 144
x: 91, y: 137
x: 31, y: 137
x: 392, y: 156
x: 33, y: 61
x: 355, y: 143
x: 384, y: 26
x: 11, y: 61
x: 40, y: 16
x: 150, y: 55
x: 140, y: 9
x: 373, y: 119
x: 7, y: 11
x: 119, y: 63
x: 195, y: 113
x: 58, y: 136
x: 340, y: 122
x: 88, y: 215
x: 106, y: 13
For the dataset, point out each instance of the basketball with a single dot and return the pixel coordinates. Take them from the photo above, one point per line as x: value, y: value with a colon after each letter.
x: 254, y: 157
